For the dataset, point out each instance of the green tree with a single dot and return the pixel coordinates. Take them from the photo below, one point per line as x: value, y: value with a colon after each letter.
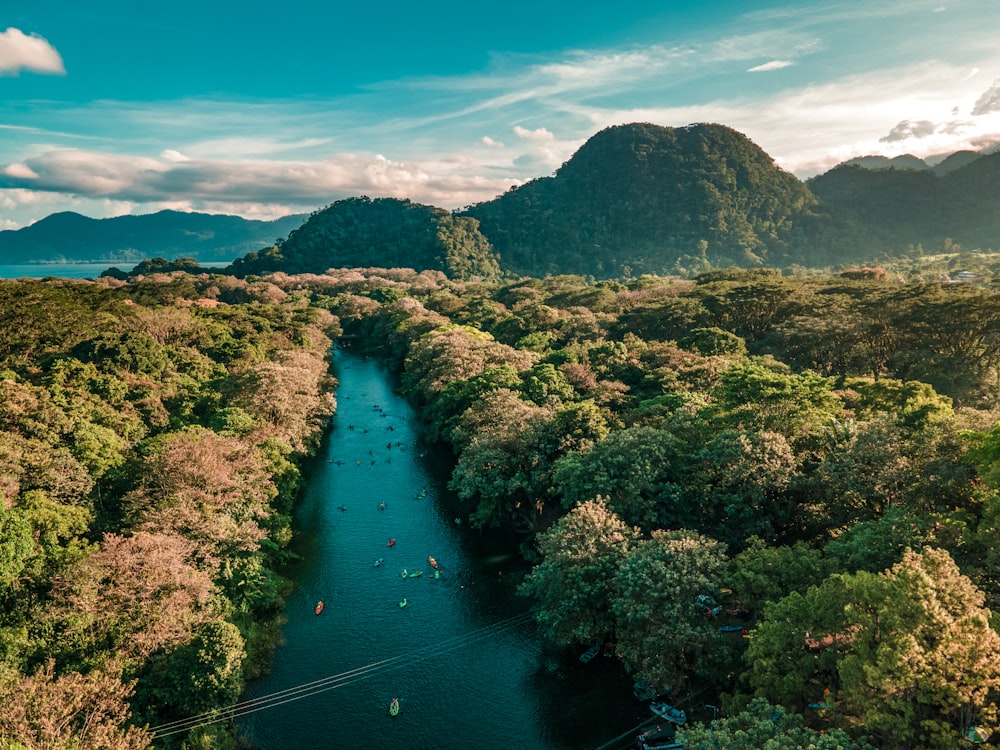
x: 196, y: 676
x: 762, y: 725
x: 760, y: 574
x: 664, y: 633
x: 908, y: 656
x: 572, y: 585
x: 634, y: 469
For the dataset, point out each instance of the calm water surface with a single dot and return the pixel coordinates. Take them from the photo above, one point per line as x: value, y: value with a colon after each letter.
x: 71, y: 270
x: 462, y: 657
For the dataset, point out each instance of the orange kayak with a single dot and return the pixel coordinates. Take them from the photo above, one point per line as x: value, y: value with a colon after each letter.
x: 433, y: 562
x: 319, y: 606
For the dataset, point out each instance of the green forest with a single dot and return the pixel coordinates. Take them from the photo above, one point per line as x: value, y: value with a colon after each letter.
x: 815, y: 459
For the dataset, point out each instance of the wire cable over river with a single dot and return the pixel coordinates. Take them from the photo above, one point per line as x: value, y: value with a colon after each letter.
x: 333, y: 682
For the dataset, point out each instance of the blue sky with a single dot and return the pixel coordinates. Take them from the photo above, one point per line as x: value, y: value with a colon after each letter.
x: 263, y: 109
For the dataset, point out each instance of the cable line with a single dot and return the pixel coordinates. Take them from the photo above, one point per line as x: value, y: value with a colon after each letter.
x: 332, y: 682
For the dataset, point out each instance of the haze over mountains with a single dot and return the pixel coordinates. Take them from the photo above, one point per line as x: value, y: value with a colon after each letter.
x: 634, y: 199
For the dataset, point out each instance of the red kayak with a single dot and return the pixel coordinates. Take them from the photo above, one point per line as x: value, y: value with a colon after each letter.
x: 391, y: 542
x: 319, y: 606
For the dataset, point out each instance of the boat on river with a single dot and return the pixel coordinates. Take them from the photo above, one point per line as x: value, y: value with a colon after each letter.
x: 319, y: 606
x: 378, y: 563
x: 668, y: 712
x: 394, y: 707
x: 403, y: 603
x: 432, y: 562
x: 391, y: 542
x: 589, y: 654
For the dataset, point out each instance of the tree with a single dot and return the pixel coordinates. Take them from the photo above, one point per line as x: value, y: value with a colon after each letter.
x: 133, y: 596
x: 663, y: 631
x: 760, y: 574
x: 572, y: 585
x: 762, y: 725
x: 46, y: 711
x: 766, y: 396
x: 907, y: 655
x: 741, y: 482
x: 194, y: 677
x: 634, y: 469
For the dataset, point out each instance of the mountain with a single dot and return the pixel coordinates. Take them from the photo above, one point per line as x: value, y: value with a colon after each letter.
x: 887, y: 210
x: 905, y: 161
x: 69, y: 236
x: 643, y: 198
x: 385, y: 232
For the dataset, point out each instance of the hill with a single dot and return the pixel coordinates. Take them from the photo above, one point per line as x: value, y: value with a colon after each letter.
x: 383, y: 232
x: 885, y: 211
x: 69, y: 236
x: 643, y: 198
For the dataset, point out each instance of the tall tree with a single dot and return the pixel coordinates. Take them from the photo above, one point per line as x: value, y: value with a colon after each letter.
x: 572, y: 586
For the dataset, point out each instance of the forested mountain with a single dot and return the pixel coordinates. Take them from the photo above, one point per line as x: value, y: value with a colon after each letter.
x: 634, y: 199
x: 884, y: 211
x: 69, y: 236
x: 386, y: 232
x: 643, y: 198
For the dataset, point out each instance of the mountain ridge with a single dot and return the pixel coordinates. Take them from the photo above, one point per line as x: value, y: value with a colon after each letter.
x: 69, y: 236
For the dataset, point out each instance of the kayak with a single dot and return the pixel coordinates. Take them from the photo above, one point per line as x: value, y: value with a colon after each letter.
x: 415, y: 574
x: 378, y: 562
x: 391, y: 542
x: 394, y: 707
x: 319, y: 606
x: 402, y: 603
x: 433, y: 562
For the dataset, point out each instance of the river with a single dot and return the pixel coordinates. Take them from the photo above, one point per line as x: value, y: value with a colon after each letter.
x: 462, y: 656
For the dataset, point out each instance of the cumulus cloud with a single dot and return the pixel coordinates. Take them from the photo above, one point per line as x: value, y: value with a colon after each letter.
x: 772, y: 65
x: 492, y: 143
x: 989, y: 101
x: 538, y: 134
x: 20, y: 51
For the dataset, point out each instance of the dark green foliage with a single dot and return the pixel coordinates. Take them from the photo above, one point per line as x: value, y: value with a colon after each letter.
x: 873, y: 211
x: 642, y: 198
x: 392, y: 233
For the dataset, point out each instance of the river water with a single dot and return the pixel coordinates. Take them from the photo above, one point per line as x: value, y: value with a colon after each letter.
x: 462, y: 656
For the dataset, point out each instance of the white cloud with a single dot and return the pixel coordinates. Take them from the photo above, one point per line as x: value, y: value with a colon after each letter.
x: 20, y: 51
x: 772, y: 65
x: 170, y: 154
x: 538, y: 134
x: 492, y: 143
x: 304, y: 185
x: 989, y: 101
x: 19, y: 171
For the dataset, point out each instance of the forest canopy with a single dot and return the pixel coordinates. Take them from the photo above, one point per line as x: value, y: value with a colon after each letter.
x: 811, y: 462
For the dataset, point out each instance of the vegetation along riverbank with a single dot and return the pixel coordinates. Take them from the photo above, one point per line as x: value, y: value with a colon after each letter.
x: 777, y: 491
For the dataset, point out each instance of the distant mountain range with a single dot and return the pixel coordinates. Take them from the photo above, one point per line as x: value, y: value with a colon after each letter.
x: 633, y: 199
x: 123, y: 240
